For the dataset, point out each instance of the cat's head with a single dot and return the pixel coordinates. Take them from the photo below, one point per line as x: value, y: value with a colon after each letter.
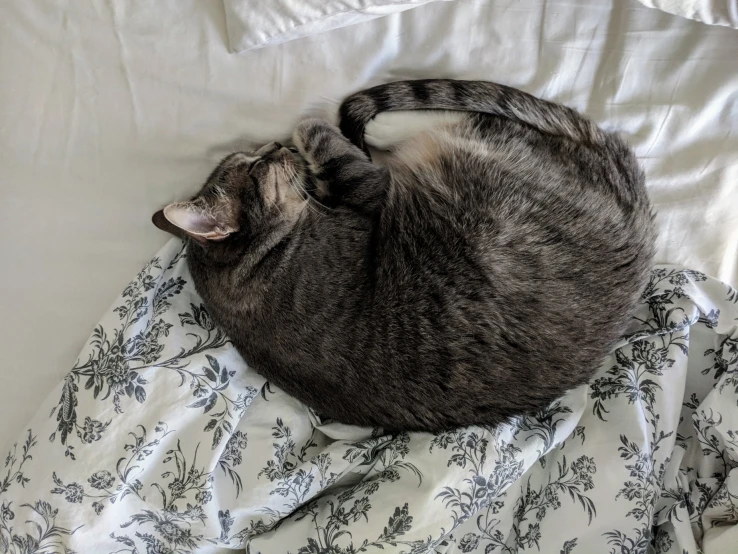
x: 247, y: 195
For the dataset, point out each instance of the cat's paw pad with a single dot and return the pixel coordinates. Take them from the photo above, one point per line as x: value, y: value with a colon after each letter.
x: 389, y: 129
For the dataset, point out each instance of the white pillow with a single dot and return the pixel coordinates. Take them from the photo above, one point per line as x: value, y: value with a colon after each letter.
x: 712, y: 12
x: 256, y: 23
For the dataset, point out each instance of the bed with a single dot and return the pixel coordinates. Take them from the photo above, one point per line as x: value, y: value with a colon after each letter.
x: 108, y: 111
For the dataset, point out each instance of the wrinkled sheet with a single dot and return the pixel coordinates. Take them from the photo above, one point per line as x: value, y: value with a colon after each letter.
x: 162, y: 440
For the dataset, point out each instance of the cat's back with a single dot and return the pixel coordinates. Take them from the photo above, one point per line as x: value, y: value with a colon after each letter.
x: 496, y: 183
x: 533, y: 245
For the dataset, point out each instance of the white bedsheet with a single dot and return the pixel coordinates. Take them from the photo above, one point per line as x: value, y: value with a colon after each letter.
x: 108, y: 110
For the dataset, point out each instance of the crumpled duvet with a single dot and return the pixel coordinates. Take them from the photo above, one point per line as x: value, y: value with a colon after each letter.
x: 162, y: 440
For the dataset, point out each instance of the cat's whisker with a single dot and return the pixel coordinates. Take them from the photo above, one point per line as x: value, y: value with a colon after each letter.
x: 295, y: 181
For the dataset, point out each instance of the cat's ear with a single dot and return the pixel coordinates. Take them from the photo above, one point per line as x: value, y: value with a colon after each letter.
x: 192, y: 219
x: 163, y: 223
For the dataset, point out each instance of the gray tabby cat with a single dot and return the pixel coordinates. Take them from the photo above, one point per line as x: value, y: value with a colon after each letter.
x: 481, y: 273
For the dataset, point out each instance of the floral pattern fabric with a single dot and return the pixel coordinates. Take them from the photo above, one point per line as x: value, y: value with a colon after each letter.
x: 161, y: 440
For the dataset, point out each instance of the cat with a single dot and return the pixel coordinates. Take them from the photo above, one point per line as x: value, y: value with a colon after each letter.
x: 479, y: 274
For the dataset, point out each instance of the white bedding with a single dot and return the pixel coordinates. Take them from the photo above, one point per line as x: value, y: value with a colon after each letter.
x: 109, y: 110
x: 711, y: 12
x: 253, y: 24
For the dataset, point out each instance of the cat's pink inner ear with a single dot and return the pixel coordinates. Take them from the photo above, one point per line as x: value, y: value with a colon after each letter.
x: 195, y: 221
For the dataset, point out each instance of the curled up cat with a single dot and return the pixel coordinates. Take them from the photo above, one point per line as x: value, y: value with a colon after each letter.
x: 481, y: 272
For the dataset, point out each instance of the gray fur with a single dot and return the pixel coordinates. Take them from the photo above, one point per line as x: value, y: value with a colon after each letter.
x: 485, y: 271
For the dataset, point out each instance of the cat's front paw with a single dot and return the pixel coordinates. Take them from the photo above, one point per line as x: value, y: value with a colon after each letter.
x: 307, y: 131
x: 308, y: 134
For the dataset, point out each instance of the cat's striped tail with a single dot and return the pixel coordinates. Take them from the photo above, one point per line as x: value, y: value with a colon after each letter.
x: 468, y: 96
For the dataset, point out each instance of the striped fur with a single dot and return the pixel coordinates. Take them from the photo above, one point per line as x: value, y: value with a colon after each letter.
x: 481, y: 272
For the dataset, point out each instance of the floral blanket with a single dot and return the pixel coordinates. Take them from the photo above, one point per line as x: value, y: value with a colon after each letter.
x: 161, y: 440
